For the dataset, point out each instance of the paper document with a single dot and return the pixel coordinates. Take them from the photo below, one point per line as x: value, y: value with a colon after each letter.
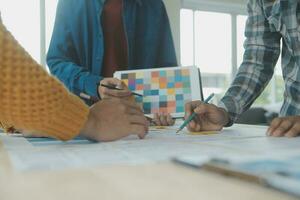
x: 159, y: 145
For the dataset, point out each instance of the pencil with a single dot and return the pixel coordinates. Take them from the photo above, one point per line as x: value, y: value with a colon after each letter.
x: 115, y: 88
x: 191, y: 117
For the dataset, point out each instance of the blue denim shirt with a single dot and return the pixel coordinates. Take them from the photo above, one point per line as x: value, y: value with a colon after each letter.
x: 76, y: 50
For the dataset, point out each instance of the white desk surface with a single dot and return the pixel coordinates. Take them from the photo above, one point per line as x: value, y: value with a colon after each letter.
x: 160, y: 180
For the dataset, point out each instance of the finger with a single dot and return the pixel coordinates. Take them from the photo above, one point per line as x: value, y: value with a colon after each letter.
x: 294, y: 131
x: 163, y: 120
x: 188, y: 109
x: 283, y: 128
x: 111, y: 81
x: 123, y: 86
x: 198, y: 128
x: 118, y: 83
x: 188, y: 113
x: 116, y: 93
x: 170, y: 120
x: 274, y: 125
x: 138, y: 130
x: 115, y: 83
x: 156, y: 119
x: 192, y: 125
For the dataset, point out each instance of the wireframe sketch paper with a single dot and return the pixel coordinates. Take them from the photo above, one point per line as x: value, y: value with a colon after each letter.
x: 165, y: 90
x: 159, y: 145
x: 246, y: 147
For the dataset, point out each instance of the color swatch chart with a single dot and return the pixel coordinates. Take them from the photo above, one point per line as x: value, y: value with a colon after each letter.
x: 164, y: 91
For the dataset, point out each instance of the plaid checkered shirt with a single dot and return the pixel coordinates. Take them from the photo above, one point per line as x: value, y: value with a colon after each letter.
x: 269, y: 22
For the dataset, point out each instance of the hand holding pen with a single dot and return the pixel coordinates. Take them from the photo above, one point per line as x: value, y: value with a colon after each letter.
x: 110, y: 88
x: 202, y: 116
x: 113, y: 87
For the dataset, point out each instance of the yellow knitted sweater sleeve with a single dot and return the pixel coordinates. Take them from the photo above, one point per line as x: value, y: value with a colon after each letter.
x: 32, y: 100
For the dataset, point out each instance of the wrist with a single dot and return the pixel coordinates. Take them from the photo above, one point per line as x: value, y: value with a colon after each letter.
x: 88, y: 127
x: 226, y: 118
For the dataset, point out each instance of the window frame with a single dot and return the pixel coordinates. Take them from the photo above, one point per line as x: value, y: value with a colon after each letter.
x: 233, y: 9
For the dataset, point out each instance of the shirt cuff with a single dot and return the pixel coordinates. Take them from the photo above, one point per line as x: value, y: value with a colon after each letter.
x: 91, y: 85
x: 68, y: 122
x: 231, y: 108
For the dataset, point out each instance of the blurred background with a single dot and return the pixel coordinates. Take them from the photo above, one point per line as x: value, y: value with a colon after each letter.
x: 207, y: 33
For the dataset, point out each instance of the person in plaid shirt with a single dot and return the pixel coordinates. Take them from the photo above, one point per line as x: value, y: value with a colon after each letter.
x: 269, y: 22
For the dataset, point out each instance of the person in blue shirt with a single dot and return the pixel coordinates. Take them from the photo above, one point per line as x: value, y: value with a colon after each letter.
x: 93, y: 39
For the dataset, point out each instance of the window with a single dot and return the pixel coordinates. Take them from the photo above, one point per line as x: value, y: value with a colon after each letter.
x: 22, y: 20
x: 50, y: 18
x: 241, y: 24
x: 187, y: 37
x: 213, y: 41
x: 31, y: 23
x: 213, y: 50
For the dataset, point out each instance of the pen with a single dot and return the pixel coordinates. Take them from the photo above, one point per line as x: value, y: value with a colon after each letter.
x: 88, y: 97
x: 188, y: 120
x: 96, y: 99
x: 115, y: 88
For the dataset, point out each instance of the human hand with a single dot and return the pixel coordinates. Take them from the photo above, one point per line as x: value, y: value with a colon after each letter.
x: 163, y: 120
x: 113, y: 119
x: 208, y: 117
x: 285, y: 126
x: 109, y: 93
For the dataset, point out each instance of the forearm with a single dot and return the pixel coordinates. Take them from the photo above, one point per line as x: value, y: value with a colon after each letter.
x: 74, y: 77
x: 32, y: 100
x: 251, y: 79
x: 262, y: 49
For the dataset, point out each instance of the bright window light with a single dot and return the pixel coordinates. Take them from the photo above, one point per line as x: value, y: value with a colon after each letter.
x: 213, y: 42
x: 50, y: 19
x: 22, y: 18
x: 241, y: 24
x: 186, y: 37
x: 206, y: 41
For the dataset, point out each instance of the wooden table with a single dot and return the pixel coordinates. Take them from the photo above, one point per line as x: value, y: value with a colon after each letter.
x: 155, y: 181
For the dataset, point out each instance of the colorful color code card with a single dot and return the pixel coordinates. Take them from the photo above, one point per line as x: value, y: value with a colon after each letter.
x: 164, y: 90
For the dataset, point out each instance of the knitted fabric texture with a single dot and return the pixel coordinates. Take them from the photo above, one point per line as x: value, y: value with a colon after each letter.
x: 32, y: 100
